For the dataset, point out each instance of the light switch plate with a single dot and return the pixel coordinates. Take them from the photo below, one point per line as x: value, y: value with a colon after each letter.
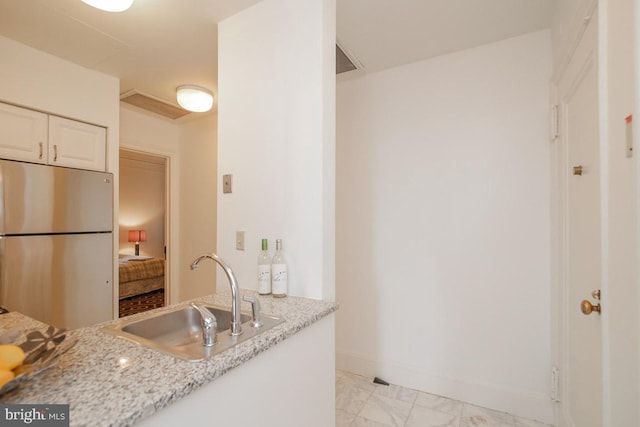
x: 226, y: 183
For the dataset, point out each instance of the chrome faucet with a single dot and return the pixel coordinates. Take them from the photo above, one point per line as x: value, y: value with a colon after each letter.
x: 256, y: 322
x: 209, y: 325
x: 236, y: 329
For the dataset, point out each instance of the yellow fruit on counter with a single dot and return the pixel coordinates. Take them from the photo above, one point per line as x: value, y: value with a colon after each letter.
x: 11, y: 356
x: 22, y: 369
x: 5, y: 376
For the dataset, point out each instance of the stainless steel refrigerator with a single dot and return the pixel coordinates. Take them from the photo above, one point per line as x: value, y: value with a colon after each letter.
x: 56, y: 257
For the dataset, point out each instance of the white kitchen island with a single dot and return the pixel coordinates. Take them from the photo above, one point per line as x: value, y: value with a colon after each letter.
x: 283, y: 377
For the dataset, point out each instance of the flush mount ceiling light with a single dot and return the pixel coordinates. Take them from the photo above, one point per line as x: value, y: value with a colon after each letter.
x: 110, y: 5
x: 194, y: 98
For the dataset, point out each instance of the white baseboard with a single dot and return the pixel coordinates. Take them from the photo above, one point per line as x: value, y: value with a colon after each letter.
x: 522, y: 403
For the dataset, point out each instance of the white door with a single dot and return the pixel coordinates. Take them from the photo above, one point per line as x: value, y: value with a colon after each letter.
x: 579, y: 250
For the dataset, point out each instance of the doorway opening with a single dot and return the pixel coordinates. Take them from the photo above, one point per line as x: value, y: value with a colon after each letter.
x: 143, y: 225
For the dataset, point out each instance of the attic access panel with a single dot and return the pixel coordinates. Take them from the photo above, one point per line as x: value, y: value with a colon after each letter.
x: 153, y: 104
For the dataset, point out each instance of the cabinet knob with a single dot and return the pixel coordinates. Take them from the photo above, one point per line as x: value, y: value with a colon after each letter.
x: 55, y: 152
x: 588, y: 308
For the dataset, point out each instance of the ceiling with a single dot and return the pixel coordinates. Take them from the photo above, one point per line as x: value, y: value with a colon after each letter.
x: 158, y: 45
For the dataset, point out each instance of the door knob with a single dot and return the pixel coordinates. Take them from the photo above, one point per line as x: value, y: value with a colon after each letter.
x: 588, y: 308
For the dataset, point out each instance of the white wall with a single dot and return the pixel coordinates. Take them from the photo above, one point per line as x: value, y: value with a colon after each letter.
x: 148, y: 132
x: 191, y: 150
x: 142, y: 205
x: 144, y: 132
x: 636, y: 143
x: 198, y: 144
x: 620, y: 292
x: 567, y: 27
x: 443, y: 225
x: 276, y: 136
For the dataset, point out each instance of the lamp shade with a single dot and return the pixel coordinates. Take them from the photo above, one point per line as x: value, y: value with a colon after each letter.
x: 194, y: 98
x: 137, y: 236
x: 110, y: 5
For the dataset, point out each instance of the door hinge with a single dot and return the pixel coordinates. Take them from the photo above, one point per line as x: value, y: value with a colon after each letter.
x: 555, y: 384
x: 554, y: 121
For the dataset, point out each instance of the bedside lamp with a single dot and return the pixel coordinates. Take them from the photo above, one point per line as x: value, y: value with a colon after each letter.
x: 137, y: 236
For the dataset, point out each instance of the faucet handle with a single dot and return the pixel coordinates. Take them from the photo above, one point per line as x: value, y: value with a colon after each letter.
x: 255, y: 310
x: 209, y: 325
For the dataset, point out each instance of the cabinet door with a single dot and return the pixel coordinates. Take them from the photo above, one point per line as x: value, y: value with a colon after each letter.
x: 76, y: 144
x: 23, y: 134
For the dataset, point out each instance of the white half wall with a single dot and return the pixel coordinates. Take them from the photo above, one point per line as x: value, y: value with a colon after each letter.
x: 277, y: 388
x: 276, y: 137
x: 443, y: 225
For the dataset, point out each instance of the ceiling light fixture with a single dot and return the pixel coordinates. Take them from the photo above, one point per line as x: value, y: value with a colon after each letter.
x: 110, y: 5
x: 194, y: 98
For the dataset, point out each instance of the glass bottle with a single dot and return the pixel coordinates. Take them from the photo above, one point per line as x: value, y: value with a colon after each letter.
x: 264, y: 270
x: 279, y: 272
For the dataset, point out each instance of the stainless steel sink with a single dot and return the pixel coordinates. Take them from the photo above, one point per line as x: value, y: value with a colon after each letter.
x: 178, y: 332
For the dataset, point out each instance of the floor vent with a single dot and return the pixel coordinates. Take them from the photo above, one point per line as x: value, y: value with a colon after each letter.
x: 153, y: 104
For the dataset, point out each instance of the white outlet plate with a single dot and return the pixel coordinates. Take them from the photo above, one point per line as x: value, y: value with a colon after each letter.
x: 240, y: 240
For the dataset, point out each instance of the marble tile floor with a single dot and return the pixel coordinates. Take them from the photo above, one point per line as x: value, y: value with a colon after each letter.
x: 361, y: 403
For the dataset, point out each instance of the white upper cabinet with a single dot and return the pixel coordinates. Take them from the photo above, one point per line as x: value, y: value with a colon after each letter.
x: 36, y: 137
x: 76, y: 144
x: 23, y: 134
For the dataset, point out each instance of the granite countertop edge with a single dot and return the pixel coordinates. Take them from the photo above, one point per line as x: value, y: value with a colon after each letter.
x: 263, y: 345
x: 122, y: 382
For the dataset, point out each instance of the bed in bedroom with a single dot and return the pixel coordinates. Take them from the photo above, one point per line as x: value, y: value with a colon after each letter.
x: 141, y: 283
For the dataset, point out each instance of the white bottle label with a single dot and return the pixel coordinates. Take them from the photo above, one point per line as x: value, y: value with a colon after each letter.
x: 279, y: 279
x: 264, y: 279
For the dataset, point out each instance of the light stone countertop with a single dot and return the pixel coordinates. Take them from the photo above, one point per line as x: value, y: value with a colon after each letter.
x: 110, y: 381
